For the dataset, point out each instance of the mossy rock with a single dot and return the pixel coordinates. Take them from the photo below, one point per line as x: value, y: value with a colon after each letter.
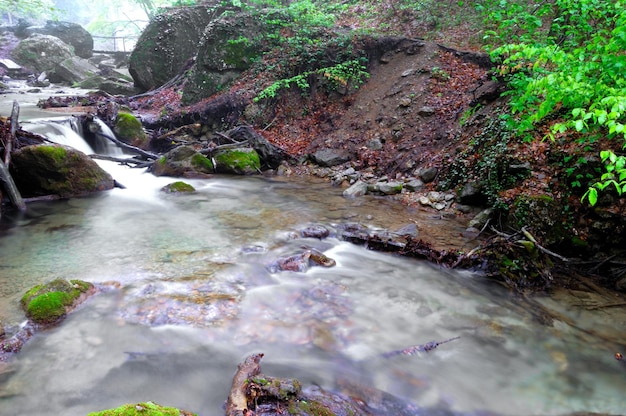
x: 57, y: 170
x: 183, y: 161
x: 50, y: 302
x: 142, y: 409
x: 129, y: 129
x: 178, y: 187
x: 242, y: 161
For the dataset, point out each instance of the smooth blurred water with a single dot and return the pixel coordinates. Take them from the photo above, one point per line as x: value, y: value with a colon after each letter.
x: 187, y: 294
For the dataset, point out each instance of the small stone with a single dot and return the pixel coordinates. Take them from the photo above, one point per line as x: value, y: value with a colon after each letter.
x: 358, y: 189
x: 405, y: 102
x: 426, y: 111
x: 429, y: 174
x: 407, y: 72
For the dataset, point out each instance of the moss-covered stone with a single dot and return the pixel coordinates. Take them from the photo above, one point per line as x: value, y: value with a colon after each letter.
x: 183, y: 161
x: 57, y: 170
x: 178, y: 187
x: 129, y: 130
x: 142, y: 409
x: 47, y: 303
x: 239, y: 161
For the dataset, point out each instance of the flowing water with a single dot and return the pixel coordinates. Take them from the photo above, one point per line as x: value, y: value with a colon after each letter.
x: 188, y: 292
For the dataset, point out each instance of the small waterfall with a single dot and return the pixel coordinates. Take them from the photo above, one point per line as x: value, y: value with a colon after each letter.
x: 61, y: 130
x: 69, y: 131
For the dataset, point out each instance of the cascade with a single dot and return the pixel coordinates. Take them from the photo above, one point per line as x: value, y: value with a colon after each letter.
x: 68, y: 131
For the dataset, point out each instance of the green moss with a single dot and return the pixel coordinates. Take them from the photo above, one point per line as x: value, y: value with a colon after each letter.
x: 48, y: 303
x: 129, y: 128
x: 48, y: 307
x: 179, y: 187
x: 55, y: 153
x: 239, y: 161
x: 202, y: 163
x: 141, y: 409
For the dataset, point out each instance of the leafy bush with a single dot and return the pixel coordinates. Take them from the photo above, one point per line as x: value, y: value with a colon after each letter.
x: 564, y: 59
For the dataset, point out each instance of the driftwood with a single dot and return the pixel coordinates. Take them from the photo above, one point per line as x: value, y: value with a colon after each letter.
x: 5, y: 175
x: 8, y: 146
x: 128, y: 147
x: 237, y: 403
x: 429, y: 346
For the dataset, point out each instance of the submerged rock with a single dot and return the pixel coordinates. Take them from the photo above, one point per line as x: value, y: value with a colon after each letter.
x: 50, y: 302
x: 178, y: 188
x: 42, y: 170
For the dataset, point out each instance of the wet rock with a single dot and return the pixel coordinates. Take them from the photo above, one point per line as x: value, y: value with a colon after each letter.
x: 437, y: 200
x: 128, y: 129
x: 183, y: 161
x: 143, y: 409
x: 167, y: 43
x: 359, y: 188
x: 315, y: 231
x: 330, y: 157
x: 239, y: 161
x: 41, y: 52
x: 70, y: 33
x: 41, y: 170
x: 50, y: 302
x: 178, y: 188
x: 270, y: 156
x: 386, y: 188
x: 301, y: 262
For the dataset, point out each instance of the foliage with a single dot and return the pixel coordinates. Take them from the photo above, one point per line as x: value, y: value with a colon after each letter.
x: 31, y: 9
x: 615, y: 175
x: 350, y: 73
x: 563, y: 59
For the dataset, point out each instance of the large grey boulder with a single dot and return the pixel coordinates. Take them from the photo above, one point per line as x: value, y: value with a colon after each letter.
x: 41, y: 52
x: 71, y: 33
x: 167, y: 43
x: 230, y: 45
x: 73, y: 70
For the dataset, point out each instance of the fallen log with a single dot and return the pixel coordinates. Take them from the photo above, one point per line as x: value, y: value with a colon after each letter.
x: 128, y: 147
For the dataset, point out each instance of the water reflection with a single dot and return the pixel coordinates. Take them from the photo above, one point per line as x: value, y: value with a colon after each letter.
x: 196, y: 295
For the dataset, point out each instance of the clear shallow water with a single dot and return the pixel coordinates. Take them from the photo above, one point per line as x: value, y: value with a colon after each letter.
x: 193, y: 296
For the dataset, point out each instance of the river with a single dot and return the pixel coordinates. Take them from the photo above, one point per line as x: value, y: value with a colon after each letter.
x: 188, y: 292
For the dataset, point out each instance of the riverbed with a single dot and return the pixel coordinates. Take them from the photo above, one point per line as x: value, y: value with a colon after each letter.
x: 188, y: 290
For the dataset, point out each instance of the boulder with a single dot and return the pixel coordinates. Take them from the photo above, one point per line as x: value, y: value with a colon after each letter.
x: 128, y: 129
x: 72, y: 70
x: 229, y: 46
x: 359, y: 188
x: 239, y: 161
x: 41, y: 52
x: 330, y: 157
x: 183, y: 161
x: 167, y: 43
x: 72, y: 34
x: 41, y: 170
